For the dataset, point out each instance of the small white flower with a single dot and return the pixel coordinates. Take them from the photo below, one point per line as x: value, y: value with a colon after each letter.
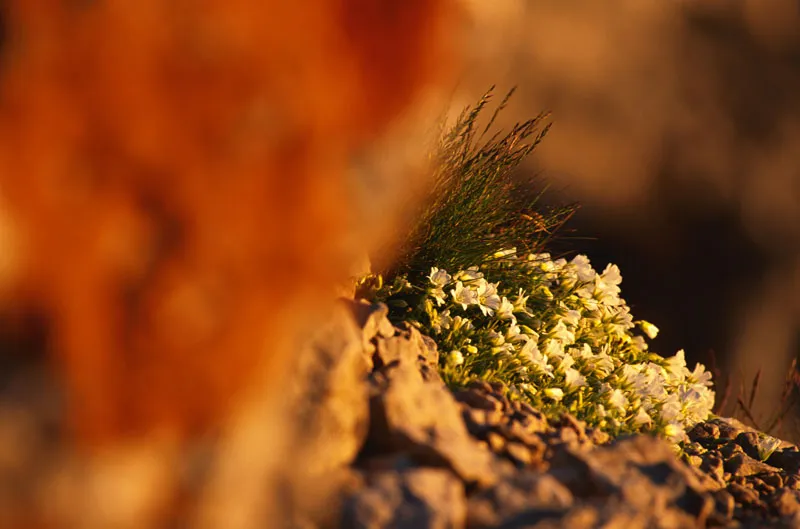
x: 642, y: 418
x: 496, y: 338
x: 617, y: 400
x: 455, y: 358
x: 572, y: 317
x: 439, y: 278
x: 567, y: 361
x: 573, y: 379
x: 583, y: 268
x: 505, y: 311
x: 531, y: 353
x: 554, y: 393
x: 488, y: 300
x: 464, y: 296
x: 671, y: 409
x: 674, y: 432
x: 462, y: 324
x: 700, y: 376
x: 554, y: 348
x: 520, y: 304
x: 603, y: 363
x: 648, y: 328
x: 441, y: 321
x: 561, y: 333
x: 470, y: 274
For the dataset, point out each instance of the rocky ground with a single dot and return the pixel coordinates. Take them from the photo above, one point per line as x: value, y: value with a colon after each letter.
x: 378, y: 441
x: 426, y: 457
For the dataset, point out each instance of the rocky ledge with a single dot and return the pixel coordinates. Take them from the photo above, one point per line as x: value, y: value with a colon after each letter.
x: 422, y: 456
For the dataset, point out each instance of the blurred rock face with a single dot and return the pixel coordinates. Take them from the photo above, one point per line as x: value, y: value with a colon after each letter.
x: 174, y: 181
x: 176, y: 201
x: 677, y: 126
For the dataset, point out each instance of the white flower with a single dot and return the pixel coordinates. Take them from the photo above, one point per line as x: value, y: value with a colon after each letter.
x: 583, y: 268
x: 464, y: 296
x: 567, y: 361
x: 455, y: 358
x: 617, y: 400
x: 488, y: 300
x: 441, y: 321
x: 470, y: 274
x: 462, y: 324
x: 674, y: 432
x: 561, y: 333
x: 505, y: 311
x: 554, y: 393
x: 573, y: 379
x: 554, y: 348
x: 671, y: 409
x: 639, y: 344
x: 496, y: 338
x: 697, y: 405
x: 648, y: 328
x: 700, y: 376
x: 603, y: 363
x: 676, y: 365
x: 572, y: 317
x: 607, y: 286
x: 642, y: 418
x: 439, y: 295
x: 439, y: 278
x: 531, y: 352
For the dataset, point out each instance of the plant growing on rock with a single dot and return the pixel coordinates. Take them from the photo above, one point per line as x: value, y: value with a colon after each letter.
x: 558, y: 335
x: 474, y: 276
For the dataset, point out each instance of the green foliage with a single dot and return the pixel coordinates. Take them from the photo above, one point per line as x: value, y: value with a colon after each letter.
x: 555, y: 332
x: 476, y: 204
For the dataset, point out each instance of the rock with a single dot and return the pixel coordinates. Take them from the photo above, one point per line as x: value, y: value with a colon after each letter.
x: 749, y: 443
x: 373, y: 321
x: 740, y: 464
x: 792, y: 481
x: 524, y: 492
x: 329, y: 397
x: 477, y: 399
x: 787, y: 459
x: 329, y: 393
x: 723, y: 506
x: 713, y: 464
x: 772, y: 479
x: 641, y: 472
x: 418, y: 498
x: 421, y: 417
x: 519, y: 453
x: 407, y: 345
x: 496, y: 442
x: 786, y: 502
x: 743, y: 495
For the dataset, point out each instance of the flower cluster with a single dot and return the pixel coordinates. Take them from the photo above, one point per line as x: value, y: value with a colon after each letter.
x: 559, y: 335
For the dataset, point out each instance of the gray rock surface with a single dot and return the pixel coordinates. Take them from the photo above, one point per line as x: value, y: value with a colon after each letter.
x: 408, y: 499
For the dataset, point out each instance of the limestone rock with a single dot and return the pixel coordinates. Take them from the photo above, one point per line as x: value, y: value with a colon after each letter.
x: 523, y: 493
x: 410, y: 499
x: 422, y: 418
x: 331, y: 399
